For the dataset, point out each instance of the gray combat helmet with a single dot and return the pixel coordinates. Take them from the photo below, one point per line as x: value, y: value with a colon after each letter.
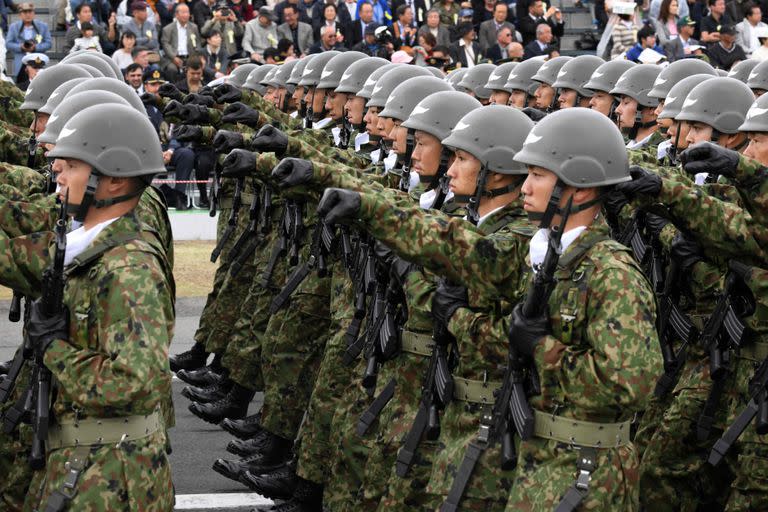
x: 576, y: 73
x: 95, y: 73
x: 637, y: 82
x: 391, y: 79
x: 408, y: 94
x: 280, y: 76
x: 354, y: 77
x: 115, y: 140
x: 336, y: 67
x: 547, y: 73
x: 311, y: 75
x: 47, y: 80
x: 493, y: 134
x: 675, y: 72
x: 116, y: 71
x: 521, y: 78
x: 438, y: 113
x: 757, y: 116
x: 74, y: 104
x: 741, y: 70
x: 720, y: 102
x: 122, y: 89
x: 253, y: 82
x: 240, y: 74
x: 298, y: 69
x: 91, y: 59
x: 370, y: 83
x: 605, y: 77
x: 581, y: 158
x: 455, y: 76
x: 270, y: 76
x: 676, y: 96
x: 758, y: 77
x: 59, y: 94
x: 475, y: 79
x: 435, y: 71
x: 500, y: 75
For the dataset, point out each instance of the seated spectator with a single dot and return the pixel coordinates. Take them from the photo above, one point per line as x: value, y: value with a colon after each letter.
x: 124, y: 14
x: 260, y: 34
x: 31, y: 64
x: 665, y: 24
x: 683, y: 9
x: 133, y: 75
x: 193, y: 79
x: 307, y: 10
x: 449, y: 12
x: 717, y: 17
x: 139, y: 24
x: 272, y: 56
x: 382, y: 14
x: 725, y: 53
x: 762, y: 52
x: 682, y: 45
x: 202, y: 11
x: 87, y: 41
x: 465, y: 16
x: 101, y: 10
x: 122, y: 55
x: 225, y: 21
x: 747, y: 29
x: 405, y: 33
x: 466, y: 51
x: 623, y: 35
x: 329, y: 18
x: 84, y: 14
x: 439, y: 31
x: 328, y: 41
x: 646, y: 38
x: 489, y: 30
x: 278, y: 9
x: 180, y: 39
x: 215, y: 55
x: 297, y: 31
x: 140, y: 56
x: 505, y: 48
x: 440, y: 58
x: 243, y: 11
x: 423, y: 51
x: 285, y: 49
x: 535, y: 16
x: 372, y: 45
x: 27, y: 35
x: 542, y: 45
x: 364, y: 19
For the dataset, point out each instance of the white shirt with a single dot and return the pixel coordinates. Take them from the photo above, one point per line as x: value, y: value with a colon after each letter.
x: 469, y: 52
x: 352, y: 8
x: 663, y: 149
x: 181, y: 50
x: 633, y: 144
x: 537, y: 249
x: 79, y: 239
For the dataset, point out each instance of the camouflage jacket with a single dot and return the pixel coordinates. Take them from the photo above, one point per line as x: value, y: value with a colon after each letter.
x: 14, y: 146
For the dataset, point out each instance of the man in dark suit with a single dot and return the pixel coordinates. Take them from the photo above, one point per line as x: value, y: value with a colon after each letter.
x: 541, y: 45
x: 465, y: 50
x: 505, y: 48
x: 418, y: 7
x: 365, y: 13
x: 215, y: 54
x: 490, y: 29
x: 684, y: 44
x: 535, y: 16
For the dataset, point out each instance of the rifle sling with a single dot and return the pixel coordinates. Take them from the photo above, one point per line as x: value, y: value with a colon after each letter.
x: 460, y: 481
x: 370, y: 415
x: 407, y: 453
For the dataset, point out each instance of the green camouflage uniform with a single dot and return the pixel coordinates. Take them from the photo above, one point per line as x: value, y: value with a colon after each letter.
x: 11, y: 97
x: 14, y: 146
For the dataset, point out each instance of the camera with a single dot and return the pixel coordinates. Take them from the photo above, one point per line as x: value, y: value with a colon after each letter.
x: 383, y: 36
x: 28, y: 44
x: 225, y: 11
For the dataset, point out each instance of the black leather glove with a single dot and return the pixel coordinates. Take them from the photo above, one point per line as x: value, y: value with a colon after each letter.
x: 643, y: 182
x: 400, y: 269
x: 170, y: 91
x: 292, y: 172
x: 526, y: 333
x: 654, y: 224
x: 225, y: 141
x: 614, y: 201
x: 43, y: 329
x: 240, y: 113
x: 686, y: 251
x: 187, y: 133
x: 446, y: 300
x: 206, y: 90
x: 383, y: 253
x: 534, y: 114
x: 174, y: 109
x: 194, y: 114
x: 149, y: 99
x: 199, y: 99
x: 238, y: 163
x: 709, y: 158
x: 339, y: 205
x: 227, y: 93
x: 270, y: 140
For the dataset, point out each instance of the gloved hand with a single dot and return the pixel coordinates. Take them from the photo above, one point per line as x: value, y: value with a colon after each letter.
x: 187, y: 133
x: 170, y: 91
x: 199, y: 99
x: 194, y: 114
x: 643, y: 183
x: 240, y: 113
x: 655, y: 223
x: 238, y: 163
x: 686, y: 251
x: 383, y: 253
x: 149, y: 99
x: 292, y: 172
x: 709, y: 158
x: 227, y: 93
x: 339, y: 205
x: 400, y: 269
x: 206, y: 90
x: 614, y: 201
x: 43, y: 329
x: 526, y: 333
x: 225, y: 141
x: 174, y: 109
x: 534, y: 114
x: 447, y: 299
x: 270, y: 140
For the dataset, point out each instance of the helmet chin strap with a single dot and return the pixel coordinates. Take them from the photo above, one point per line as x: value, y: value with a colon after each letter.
x: 81, y: 210
x: 481, y: 191
x: 553, y: 206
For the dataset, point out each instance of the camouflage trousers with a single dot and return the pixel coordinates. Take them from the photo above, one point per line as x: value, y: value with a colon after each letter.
x: 14, y: 449
x: 135, y: 475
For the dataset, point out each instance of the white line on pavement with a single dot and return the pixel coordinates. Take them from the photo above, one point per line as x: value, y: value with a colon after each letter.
x: 220, y: 501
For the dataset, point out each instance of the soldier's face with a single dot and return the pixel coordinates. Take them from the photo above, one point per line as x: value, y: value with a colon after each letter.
x: 38, y: 124
x: 355, y: 106
x: 72, y: 178
x: 385, y: 126
x: 426, y: 153
x: 517, y: 99
x: 399, y: 136
x: 318, y: 100
x: 463, y: 173
x: 544, y: 96
x: 601, y: 102
x: 499, y: 97
x: 567, y: 98
x: 537, y: 189
x: 269, y: 95
x: 626, y: 111
x: 698, y: 132
x: 676, y: 127
x: 664, y: 125
x: 371, y: 120
x: 334, y: 104
x: 758, y: 92
x: 757, y: 147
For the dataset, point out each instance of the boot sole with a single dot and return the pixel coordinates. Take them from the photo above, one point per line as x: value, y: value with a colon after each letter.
x: 220, y: 469
x: 199, y: 383
x: 239, y: 433
x: 246, y: 478
x: 210, y: 419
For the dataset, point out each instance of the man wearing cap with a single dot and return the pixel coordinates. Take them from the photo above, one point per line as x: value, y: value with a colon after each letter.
x: 260, y: 34
x: 466, y: 52
x: 146, y: 33
x: 725, y: 52
x: 31, y: 64
x: 747, y: 29
x: 680, y: 46
x: 370, y: 44
x: 180, y: 39
x: 27, y: 35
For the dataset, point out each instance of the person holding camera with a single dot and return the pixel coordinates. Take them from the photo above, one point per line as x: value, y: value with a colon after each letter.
x: 225, y: 21
x: 27, y: 35
x: 378, y: 42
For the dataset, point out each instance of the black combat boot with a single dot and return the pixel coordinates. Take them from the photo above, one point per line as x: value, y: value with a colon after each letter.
x: 206, y: 375
x: 245, y: 428
x: 248, y: 447
x: 275, y: 452
x: 279, y: 484
x: 208, y: 394
x: 189, y: 360
x: 234, y: 405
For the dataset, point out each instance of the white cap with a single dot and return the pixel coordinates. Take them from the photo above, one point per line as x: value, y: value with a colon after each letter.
x: 38, y: 58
